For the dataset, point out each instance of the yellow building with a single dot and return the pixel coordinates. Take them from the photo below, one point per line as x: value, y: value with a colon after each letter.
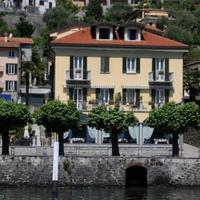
x: 93, y: 64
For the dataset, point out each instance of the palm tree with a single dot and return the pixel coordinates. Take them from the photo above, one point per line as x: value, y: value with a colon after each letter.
x: 191, y: 82
x: 27, y: 68
x: 34, y: 68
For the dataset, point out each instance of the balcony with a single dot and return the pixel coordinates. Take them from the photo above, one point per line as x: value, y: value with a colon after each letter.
x: 161, y: 79
x: 78, y: 79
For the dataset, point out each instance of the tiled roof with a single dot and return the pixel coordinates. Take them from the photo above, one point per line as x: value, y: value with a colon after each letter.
x: 83, y: 37
x: 14, y: 41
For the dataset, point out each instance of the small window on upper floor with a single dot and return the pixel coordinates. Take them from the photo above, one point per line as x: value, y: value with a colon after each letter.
x: 104, y: 33
x: 41, y: 3
x: 12, y: 53
x: 132, y: 34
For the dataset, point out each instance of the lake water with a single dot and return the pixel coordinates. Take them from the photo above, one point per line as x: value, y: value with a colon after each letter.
x: 102, y: 193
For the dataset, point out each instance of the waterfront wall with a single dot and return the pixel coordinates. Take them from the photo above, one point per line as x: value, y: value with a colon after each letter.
x: 98, y: 170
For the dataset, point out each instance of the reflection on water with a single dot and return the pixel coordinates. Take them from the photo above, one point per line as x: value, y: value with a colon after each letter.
x: 101, y: 193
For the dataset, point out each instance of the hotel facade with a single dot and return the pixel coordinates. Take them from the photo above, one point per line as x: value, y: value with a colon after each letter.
x: 103, y: 63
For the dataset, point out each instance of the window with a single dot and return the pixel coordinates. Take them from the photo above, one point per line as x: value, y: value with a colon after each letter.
x: 11, y: 53
x: 104, y: 95
x: 160, y: 69
x: 11, y: 85
x: 104, y: 64
x: 159, y: 97
x: 78, y: 67
x: 42, y: 3
x: 132, y: 34
x: 11, y: 69
x: 130, y: 65
x: 105, y: 34
x: 129, y: 96
x: 50, y: 5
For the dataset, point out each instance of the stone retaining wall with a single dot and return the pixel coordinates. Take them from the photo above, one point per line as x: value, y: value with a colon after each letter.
x: 84, y: 170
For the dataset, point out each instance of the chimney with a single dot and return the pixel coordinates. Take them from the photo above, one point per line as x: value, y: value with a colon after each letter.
x: 10, y: 35
x: 6, y: 37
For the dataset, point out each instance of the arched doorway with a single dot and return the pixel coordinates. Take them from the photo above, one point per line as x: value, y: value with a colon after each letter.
x: 136, y: 176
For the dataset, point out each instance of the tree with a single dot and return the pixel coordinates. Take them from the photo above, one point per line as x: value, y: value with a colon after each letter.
x: 191, y: 83
x: 58, y: 117
x: 27, y: 68
x: 112, y: 121
x: 161, y: 23
x: 174, y: 119
x: 60, y: 16
x: 23, y: 28
x: 3, y: 25
x: 119, y: 12
x: 12, y: 116
x: 34, y: 68
x: 94, y: 11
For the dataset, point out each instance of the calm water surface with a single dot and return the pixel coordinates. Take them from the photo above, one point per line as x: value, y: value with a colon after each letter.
x: 101, y: 193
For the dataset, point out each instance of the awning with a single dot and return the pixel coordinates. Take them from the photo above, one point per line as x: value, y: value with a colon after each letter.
x: 102, y: 86
x: 134, y: 87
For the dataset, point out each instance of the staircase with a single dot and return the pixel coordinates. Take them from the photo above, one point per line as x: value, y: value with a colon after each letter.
x: 187, y: 177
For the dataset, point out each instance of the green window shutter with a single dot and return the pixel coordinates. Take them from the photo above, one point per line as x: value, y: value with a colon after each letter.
x: 105, y: 64
x: 166, y: 95
x: 97, y: 93
x: 71, y: 67
x: 85, y: 94
x: 124, y: 96
x: 70, y: 93
x: 15, y: 85
x: 153, y: 94
x: 137, y: 98
x: 6, y: 68
x: 85, y: 67
x: 137, y: 65
x: 111, y: 92
x: 166, y: 69
x: 15, y: 68
x: 124, y: 66
x: 154, y: 68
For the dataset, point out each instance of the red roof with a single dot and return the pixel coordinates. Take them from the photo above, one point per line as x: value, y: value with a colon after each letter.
x: 14, y: 42
x: 83, y: 37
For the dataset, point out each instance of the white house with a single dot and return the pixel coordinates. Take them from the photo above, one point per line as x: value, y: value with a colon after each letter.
x: 41, y: 5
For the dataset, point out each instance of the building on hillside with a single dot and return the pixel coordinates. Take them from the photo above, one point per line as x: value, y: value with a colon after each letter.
x: 93, y: 64
x: 192, y: 66
x: 40, y: 6
x: 106, y: 3
x: 33, y: 6
x: 12, y: 52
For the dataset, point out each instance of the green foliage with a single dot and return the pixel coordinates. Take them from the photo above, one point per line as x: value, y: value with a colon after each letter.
x: 192, y: 55
x: 23, y: 28
x: 60, y: 16
x: 94, y: 11
x: 172, y: 118
x: 118, y: 12
x: 109, y: 119
x: 13, y: 115
x: 57, y: 116
x: 3, y: 26
x: 162, y: 23
x: 191, y: 80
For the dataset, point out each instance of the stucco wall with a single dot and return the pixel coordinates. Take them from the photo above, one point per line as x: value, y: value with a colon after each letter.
x: 96, y: 170
x: 116, y: 78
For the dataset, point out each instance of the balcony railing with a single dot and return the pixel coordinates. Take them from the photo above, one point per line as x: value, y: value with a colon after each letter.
x: 89, y: 105
x: 161, y: 77
x: 78, y: 76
